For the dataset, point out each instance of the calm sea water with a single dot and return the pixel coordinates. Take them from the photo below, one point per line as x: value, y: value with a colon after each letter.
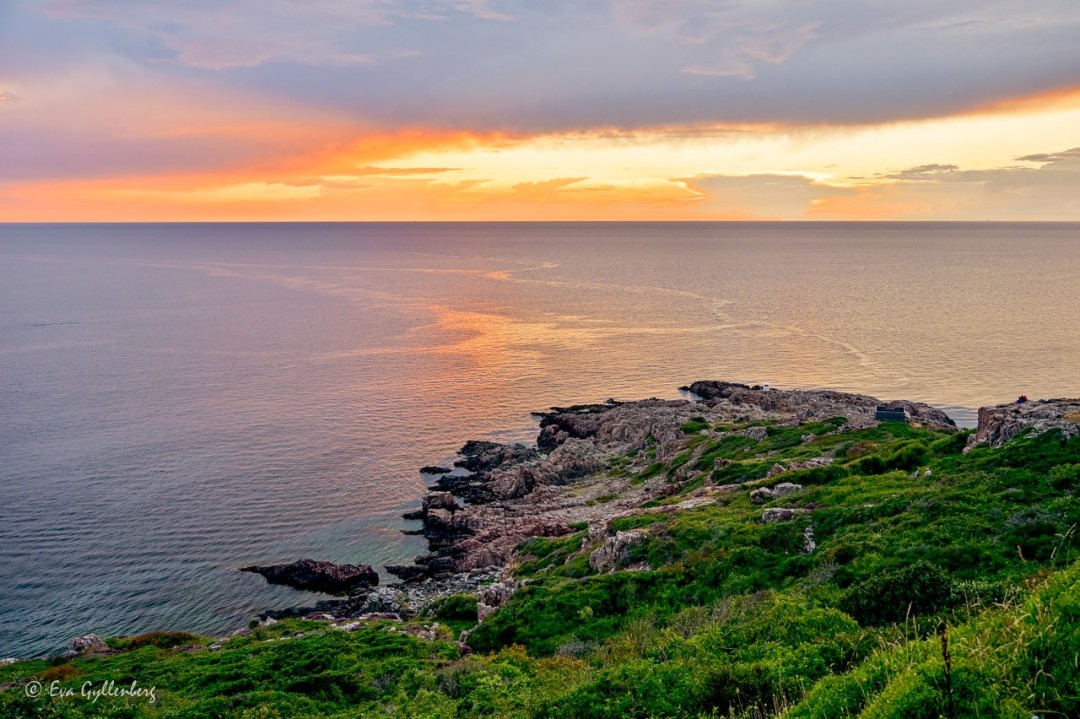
x: 180, y: 400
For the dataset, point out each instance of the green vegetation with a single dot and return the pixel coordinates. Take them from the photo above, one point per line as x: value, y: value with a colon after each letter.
x: 695, y: 425
x: 941, y: 584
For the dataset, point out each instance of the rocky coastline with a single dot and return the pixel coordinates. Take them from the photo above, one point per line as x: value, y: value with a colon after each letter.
x: 744, y: 530
x: 578, y: 478
x: 498, y: 496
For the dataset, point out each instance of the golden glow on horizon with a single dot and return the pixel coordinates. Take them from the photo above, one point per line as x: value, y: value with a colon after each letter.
x: 328, y: 171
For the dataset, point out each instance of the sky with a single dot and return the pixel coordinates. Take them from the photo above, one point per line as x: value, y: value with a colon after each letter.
x: 197, y: 110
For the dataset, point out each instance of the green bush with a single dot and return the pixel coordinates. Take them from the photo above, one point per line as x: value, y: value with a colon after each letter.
x: 695, y: 425
x: 1064, y: 476
x: 459, y: 607
x: 892, y: 596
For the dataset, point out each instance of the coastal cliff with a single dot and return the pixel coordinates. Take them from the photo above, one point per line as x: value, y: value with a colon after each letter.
x: 746, y: 553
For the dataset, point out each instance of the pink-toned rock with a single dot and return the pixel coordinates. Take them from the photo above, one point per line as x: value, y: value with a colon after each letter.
x: 997, y: 425
x: 493, y: 596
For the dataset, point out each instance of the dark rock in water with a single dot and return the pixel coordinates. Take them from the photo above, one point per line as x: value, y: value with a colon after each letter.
x: 443, y: 526
x: 478, y: 456
x: 437, y: 563
x: 472, y: 488
x: 315, y: 576
x: 440, y: 500
x: 407, y: 573
x: 435, y: 470
x: 434, y: 500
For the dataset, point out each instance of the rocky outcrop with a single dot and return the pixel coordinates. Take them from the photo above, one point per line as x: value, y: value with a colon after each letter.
x: 812, y: 405
x: 439, y: 500
x: 406, y: 572
x: 759, y: 434
x: 514, y: 492
x: 386, y: 600
x: 478, y: 456
x: 619, y: 426
x: 434, y: 500
x: 571, y: 460
x: 614, y: 552
x: 493, y: 596
x: 443, y: 527
x: 576, y: 422
x: 432, y: 469
x: 482, y: 459
x: 87, y: 644
x: 997, y: 425
x: 582, y: 474
x: 315, y: 576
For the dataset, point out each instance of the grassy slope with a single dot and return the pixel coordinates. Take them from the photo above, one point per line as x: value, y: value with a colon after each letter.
x: 733, y: 619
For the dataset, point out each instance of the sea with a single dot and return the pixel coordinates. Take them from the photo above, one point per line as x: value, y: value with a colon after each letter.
x: 180, y: 400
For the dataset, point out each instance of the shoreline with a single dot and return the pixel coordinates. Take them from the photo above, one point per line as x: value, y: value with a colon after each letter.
x: 498, y: 496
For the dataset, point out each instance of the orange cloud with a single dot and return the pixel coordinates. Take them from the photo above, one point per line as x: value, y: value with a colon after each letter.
x: 1054, y: 100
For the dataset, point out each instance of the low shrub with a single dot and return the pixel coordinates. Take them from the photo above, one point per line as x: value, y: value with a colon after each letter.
x: 460, y: 607
x: 892, y: 596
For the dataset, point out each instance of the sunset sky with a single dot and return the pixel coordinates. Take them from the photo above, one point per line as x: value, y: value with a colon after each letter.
x: 539, y: 109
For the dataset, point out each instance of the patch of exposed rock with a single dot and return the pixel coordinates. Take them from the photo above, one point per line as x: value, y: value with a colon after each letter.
x: 759, y: 434
x: 406, y: 600
x: 315, y: 576
x: 812, y: 405
x: 761, y: 495
x: 614, y: 552
x: 570, y: 460
x: 618, y: 427
x: 777, y: 514
x: 997, y: 425
x: 87, y: 644
x: 480, y: 456
x: 493, y: 596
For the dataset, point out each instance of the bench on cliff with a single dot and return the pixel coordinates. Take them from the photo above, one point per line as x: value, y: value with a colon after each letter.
x: 890, y: 414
